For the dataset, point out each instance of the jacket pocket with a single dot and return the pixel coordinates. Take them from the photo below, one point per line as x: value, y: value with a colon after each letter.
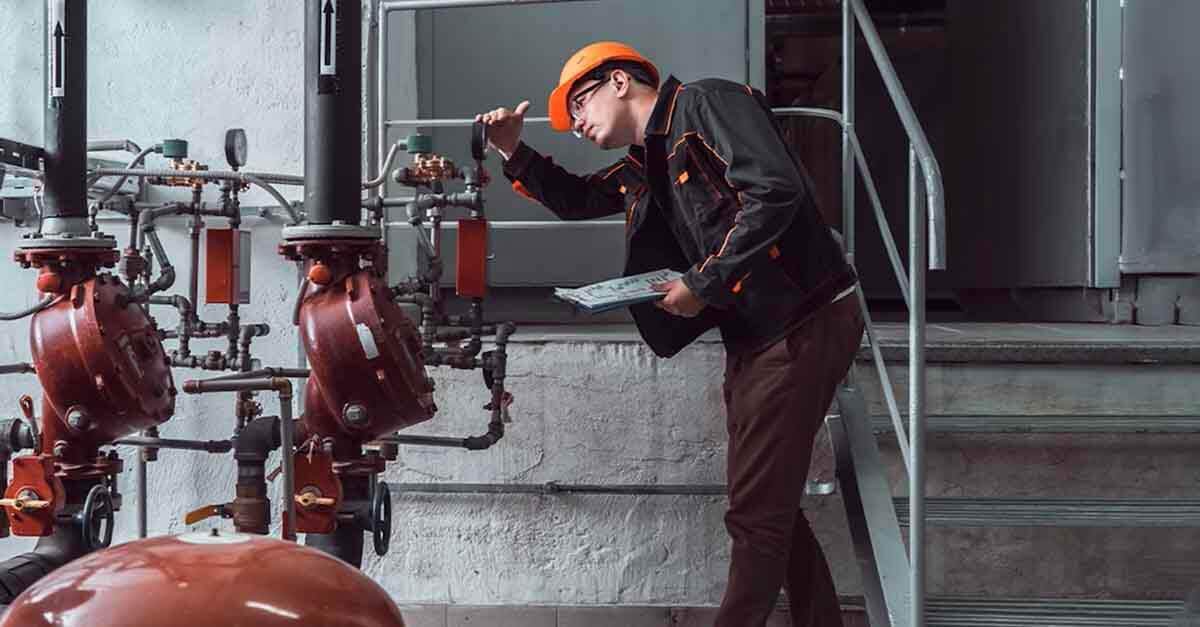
x: 698, y: 187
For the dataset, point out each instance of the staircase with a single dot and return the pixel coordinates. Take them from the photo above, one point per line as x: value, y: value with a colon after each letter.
x: 1058, y: 456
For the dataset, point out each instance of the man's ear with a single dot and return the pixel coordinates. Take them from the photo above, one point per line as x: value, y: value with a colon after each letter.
x: 621, y: 82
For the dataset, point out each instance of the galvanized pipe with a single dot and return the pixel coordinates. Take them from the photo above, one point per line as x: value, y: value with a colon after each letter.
x: 552, y: 487
x: 133, y: 163
x: 848, y: 40
x: 19, y: 368
x: 64, y: 200
x: 207, y: 446
x: 935, y: 196
x: 140, y: 472
x: 44, y: 304
x: 106, y: 145
x: 388, y: 6
x: 333, y: 111
x: 208, y: 175
x: 815, y: 112
x: 916, y: 390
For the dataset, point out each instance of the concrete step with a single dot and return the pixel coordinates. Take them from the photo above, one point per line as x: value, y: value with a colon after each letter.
x: 1046, y: 512
x: 1043, y: 423
x: 1044, y: 343
x: 1000, y: 612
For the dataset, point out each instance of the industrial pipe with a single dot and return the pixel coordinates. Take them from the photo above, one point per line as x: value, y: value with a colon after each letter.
x: 207, y: 446
x: 207, y: 175
x: 253, y: 444
x: 286, y: 429
x: 333, y: 111
x: 18, y: 368
x: 551, y: 487
x: 291, y: 373
x: 135, y: 162
x: 64, y: 197
x: 412, y: 5
x: 44, y: 304
x: 51, y: 552
x: 106, y: 145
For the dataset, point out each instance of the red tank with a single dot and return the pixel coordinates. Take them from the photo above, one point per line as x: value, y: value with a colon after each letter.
x: 101, y: 364
x: 203, y: 580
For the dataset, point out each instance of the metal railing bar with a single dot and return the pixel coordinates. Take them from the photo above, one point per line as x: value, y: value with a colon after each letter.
x: 885, y: 382
x: 916, y: 393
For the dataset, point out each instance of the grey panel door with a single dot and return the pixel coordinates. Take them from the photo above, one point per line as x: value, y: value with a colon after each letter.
x: 474, y: 59
x: 1161, y: 195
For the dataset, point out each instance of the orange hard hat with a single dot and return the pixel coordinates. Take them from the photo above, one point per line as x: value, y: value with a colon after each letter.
x: 579, y: 65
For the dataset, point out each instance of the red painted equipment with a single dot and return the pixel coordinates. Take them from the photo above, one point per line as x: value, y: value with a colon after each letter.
x: 202, y: 580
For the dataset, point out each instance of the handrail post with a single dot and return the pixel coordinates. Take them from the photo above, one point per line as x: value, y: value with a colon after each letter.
x: 916, y: 390
x: 848, y: 37
x: 934, y: 193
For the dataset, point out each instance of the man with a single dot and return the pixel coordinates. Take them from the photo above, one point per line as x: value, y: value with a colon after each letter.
x: 709, y: 188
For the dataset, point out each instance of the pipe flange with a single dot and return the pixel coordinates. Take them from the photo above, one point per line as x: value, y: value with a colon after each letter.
x: 329, y: 231
x: 96, y: 519
x: 65, y: 241
x: 381, y: 518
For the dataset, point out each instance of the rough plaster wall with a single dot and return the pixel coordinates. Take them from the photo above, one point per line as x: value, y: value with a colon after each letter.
x: 584, y: 413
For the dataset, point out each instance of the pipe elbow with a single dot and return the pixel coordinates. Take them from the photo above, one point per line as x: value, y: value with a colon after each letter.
x: 257, y: 439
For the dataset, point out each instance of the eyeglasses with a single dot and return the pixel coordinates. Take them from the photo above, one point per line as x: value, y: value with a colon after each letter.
x: 575, y: 107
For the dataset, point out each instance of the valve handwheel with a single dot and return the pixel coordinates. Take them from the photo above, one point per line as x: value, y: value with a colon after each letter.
x: 96, y: 519
x: 381, y: 518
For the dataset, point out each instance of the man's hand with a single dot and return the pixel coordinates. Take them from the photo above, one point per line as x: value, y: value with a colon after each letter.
x: 680, y: 300
x: 504, y: 127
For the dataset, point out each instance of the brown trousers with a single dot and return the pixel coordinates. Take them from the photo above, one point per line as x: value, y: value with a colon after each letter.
x: 776, y: 401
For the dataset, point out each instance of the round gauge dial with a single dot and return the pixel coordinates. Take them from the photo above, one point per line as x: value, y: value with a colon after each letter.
x: 235, y: 147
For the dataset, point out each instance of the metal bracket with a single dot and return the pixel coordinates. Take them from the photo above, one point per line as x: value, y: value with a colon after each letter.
x: 21, y: 155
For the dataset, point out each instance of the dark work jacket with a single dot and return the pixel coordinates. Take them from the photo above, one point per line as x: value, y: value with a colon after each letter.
x: 714, y: 194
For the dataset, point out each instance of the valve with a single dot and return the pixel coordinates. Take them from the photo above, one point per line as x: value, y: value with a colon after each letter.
x: 25, y: 499
x: 203, y: 513
x: 320, y: 494
x: 33, y: 483
x: 381, y: 518
x: 311, y: 497
x: 96, y: 519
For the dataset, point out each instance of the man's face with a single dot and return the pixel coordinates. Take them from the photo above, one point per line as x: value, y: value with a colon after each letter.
x: 593, y: 105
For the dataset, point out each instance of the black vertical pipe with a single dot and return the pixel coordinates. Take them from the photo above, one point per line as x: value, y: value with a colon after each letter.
x: 65, y: 92
x: 333, y: 111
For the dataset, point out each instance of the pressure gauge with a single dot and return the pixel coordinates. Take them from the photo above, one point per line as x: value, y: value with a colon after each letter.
x: 235, y: 147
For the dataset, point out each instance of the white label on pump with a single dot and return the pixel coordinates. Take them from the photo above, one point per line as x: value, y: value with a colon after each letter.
x: 329, y: 38
x: 367, y: 340
x: 57, y: 48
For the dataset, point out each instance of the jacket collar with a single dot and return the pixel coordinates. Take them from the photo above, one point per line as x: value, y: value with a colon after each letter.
x: 659, y: 123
